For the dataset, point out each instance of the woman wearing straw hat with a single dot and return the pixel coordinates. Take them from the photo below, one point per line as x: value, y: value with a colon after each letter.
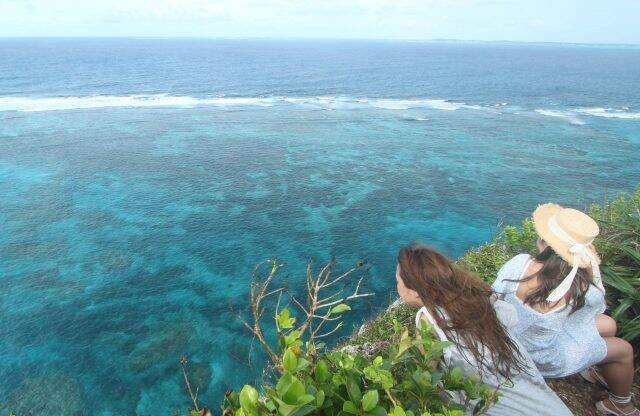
x: 559, y: 299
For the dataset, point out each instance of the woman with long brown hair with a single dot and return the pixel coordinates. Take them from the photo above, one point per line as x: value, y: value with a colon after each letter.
x: 559, y: 299
x: 463, y: 311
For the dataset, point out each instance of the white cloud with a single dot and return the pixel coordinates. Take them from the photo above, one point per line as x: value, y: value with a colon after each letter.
x: 546, y: 20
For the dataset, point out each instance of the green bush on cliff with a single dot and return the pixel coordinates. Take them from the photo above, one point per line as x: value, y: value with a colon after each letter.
x: 488, y: 258
x: 403, y: 380
x: 619, y: 248
x: 302, y: 377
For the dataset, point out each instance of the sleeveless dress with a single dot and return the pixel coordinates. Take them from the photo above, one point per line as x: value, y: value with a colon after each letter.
x: 527, y: 394
x: 560, y: 344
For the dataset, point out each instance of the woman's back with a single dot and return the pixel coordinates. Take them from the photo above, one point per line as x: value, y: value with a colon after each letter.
x: 526, y: 393
x: 559, y: 342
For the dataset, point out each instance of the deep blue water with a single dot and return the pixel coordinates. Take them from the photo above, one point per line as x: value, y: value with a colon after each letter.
x: 141, y: 181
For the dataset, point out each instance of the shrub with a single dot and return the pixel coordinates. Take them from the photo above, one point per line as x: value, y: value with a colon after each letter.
x: 403, y: 380
x: 619, y: 247
x: 303, y: 378
x: 488, y: 258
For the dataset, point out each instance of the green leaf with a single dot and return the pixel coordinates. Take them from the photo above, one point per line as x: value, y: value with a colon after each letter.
x: 343, y: 307
x: 378, y: 411
x: 286, y: 409
x: 349, y: 407
x: 456, y: 375
x: 270, y: 405
x: 292, y: 339
x: 289, y: 361
x: 354, y: 391
x: 319, y: 398
x: 322, y: 371
x: 370, y: 400
x: 289, y: 389
x: 249, y: 399
x: 305, y: 398
x: 304, y: 410
x: 302, y: 364
x: 285, y: 321
x: 398, y: 411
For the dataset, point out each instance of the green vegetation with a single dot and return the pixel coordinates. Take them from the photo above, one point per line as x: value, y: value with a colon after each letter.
x: 619, y: 247
x: 403, y: 380
x: 487, y: 259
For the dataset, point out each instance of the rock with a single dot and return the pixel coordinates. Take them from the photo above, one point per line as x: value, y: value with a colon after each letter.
x: 368, y: 349
x: 396, y: 304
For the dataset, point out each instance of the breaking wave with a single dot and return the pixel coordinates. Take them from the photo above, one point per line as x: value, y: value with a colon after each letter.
x: 32, y: 104
x: 610, y: 113
x: 10, y: 103
x: 566, y: 115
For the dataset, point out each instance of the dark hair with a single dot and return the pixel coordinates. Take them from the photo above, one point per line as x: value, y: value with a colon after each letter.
x: 471, y: 321
x: 554, y: 270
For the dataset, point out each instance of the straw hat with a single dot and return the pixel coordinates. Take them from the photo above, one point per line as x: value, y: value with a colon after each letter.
x: 569, y: 233
x: 555, y: 223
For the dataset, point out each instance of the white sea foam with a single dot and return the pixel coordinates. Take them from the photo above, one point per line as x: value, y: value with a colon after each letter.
x: 30, y: 104
x: 565, y: 115
x: 11, y: 103
x: 102, y: 101
x: 610, y: 113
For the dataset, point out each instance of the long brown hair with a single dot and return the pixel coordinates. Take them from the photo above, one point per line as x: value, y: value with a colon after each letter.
x: 471, y: 321
x: 554, y: 270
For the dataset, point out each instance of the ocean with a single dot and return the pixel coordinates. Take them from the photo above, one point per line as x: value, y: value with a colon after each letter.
x: 141, y: 180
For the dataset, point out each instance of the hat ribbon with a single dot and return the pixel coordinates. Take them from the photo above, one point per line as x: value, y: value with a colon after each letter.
x: 580, y: 252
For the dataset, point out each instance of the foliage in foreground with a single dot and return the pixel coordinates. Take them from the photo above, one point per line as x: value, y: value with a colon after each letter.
x: 304, y: 378
x: 403, y: 380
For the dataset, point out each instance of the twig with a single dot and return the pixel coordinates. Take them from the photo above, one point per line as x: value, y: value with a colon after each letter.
x: 194, y: 397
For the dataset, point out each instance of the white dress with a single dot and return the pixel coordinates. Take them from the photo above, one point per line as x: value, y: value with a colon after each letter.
x: 527, y: 394
x: 559, y: 343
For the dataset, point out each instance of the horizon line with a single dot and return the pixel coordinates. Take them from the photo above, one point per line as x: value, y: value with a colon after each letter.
x: 267, y: 38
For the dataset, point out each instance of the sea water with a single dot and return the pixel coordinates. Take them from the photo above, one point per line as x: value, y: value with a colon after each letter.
x: 142, y: 180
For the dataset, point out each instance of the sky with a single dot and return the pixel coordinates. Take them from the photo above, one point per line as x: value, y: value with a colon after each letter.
x: 576, y: 21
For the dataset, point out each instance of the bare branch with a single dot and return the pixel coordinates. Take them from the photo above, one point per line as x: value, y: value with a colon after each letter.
x: 299, y: 305
x: 326, y: 317
x: 315, y: 313
x: 326, y: 334
x: 329, y: 297
x: 342, y: 276
x: 194, y: 398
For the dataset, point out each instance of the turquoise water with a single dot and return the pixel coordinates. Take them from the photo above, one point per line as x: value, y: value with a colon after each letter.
x: 141, y: 182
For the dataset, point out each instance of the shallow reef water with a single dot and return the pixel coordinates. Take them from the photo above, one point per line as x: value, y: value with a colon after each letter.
x: 131, y: 222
